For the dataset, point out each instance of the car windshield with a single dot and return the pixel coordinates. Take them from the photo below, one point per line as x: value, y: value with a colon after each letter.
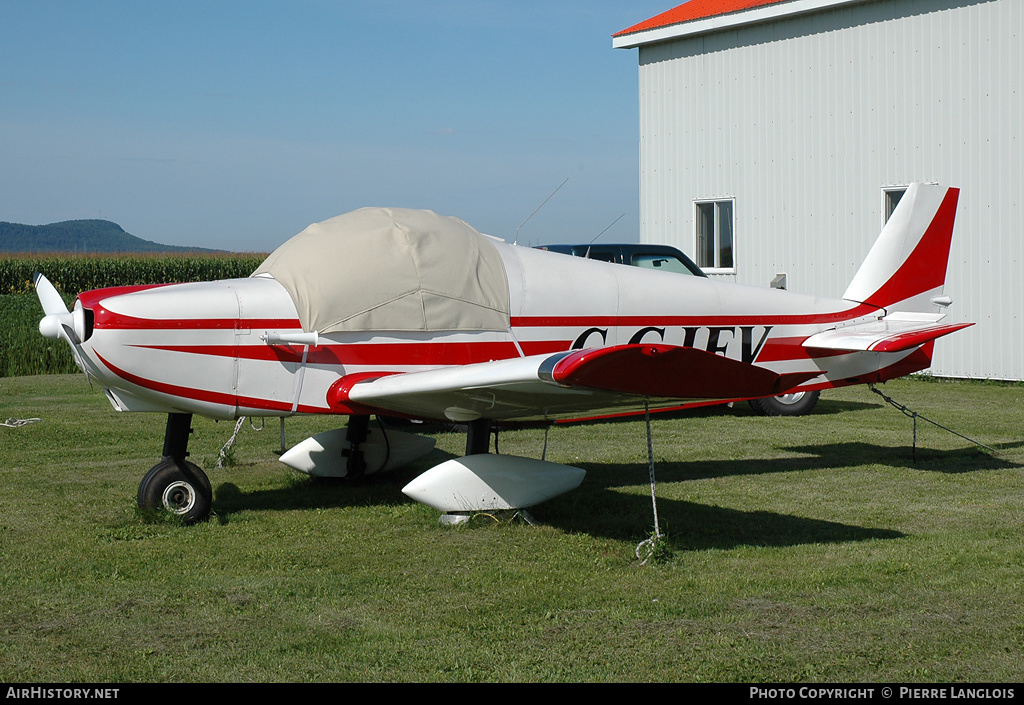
x: 665, y: 263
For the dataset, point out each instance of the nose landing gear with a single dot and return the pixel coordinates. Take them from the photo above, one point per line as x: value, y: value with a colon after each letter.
x: 175, y: 484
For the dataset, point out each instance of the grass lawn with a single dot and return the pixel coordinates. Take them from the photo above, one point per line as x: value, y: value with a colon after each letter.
x: 814, y: 549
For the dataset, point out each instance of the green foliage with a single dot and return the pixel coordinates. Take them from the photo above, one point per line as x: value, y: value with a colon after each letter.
x: 655, y: 549
x: 73, y: 274
x: 23, y: 351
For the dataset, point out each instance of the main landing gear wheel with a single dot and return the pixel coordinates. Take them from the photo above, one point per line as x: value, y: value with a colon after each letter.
x: 795, y: 404
x: 179, y: 487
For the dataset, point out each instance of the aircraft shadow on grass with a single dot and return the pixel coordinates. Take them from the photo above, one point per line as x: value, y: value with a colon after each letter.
x: 691, y: 526
x: 831, y: 455
x: 597, y: 508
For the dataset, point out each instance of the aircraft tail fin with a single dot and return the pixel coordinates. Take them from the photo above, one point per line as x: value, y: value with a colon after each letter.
x: 906, y: 268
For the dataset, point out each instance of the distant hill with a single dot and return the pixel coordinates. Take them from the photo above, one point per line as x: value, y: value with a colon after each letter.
x: 79, y: 236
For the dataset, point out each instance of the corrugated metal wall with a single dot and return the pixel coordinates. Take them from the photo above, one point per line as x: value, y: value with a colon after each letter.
x: 803, y: 121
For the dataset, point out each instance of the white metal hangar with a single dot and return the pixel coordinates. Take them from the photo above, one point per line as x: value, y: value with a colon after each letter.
x: 778, y: 134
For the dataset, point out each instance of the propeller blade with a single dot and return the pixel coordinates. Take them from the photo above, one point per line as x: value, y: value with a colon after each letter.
x: 48, y: 295
x: 58, y: 323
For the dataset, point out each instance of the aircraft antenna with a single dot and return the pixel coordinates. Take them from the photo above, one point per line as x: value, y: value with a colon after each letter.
x: 516, y: 242
x: 587, y: 256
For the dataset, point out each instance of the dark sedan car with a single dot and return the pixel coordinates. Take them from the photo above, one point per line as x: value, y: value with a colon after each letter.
x: 662, y: 257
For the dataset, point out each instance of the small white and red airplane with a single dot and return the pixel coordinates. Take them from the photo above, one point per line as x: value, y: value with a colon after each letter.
x: 407, y: 313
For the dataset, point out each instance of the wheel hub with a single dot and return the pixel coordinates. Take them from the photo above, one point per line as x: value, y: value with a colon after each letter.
x: 791, y: 398
x: 179, y: 497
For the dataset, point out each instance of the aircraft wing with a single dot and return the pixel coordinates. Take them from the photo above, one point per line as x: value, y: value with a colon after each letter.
x: 564, y: 385
x: 889, y: 334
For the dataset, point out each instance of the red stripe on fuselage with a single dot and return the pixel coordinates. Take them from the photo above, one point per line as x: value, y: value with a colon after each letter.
x: 107, y: 319
x: 375, y: 353
x: 208, y: 396
x: 90, y: 298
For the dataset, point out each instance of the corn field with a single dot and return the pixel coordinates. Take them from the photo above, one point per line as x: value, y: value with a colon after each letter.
x: 23, y: 351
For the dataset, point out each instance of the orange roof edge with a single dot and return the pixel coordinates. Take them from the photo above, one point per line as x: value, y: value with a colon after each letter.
x: 695, y: 10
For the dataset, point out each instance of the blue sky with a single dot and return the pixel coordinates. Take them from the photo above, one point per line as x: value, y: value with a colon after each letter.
x: 235, y: 124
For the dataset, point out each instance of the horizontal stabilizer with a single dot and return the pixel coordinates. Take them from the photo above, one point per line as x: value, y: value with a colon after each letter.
x: 882, y: 336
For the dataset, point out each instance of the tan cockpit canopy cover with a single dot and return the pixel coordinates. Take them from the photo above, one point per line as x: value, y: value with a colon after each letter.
x: 392, y: 269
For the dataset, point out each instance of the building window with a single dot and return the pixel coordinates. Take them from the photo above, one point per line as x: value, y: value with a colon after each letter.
x: 891, y: 196
x: 715, y: 235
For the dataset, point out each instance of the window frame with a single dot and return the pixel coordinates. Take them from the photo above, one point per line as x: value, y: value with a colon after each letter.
x: 888, y: 206
x: 717, y: 203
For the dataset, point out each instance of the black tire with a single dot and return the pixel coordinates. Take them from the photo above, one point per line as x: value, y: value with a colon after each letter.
x: 796, y: 404
x: 179, y: 487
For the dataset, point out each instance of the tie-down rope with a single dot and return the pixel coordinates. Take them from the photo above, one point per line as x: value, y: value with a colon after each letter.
x: 17, y: 423
x: 223, y: 455
x: 915, y: 416
x: 651, y: 547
